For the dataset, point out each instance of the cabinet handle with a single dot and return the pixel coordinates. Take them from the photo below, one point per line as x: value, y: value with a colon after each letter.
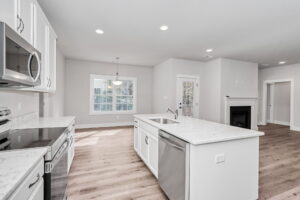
x: 37, y: 180
x: 23, y: 26
x: 19, y: 22
x: 146, y: 139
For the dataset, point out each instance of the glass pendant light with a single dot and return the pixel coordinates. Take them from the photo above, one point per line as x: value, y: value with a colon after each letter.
x: 117, y: 81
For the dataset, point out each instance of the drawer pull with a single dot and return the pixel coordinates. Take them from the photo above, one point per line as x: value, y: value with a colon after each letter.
x: 37, y: 180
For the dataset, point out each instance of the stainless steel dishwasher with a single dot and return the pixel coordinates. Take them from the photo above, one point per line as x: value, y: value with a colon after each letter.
x: 173, y: 166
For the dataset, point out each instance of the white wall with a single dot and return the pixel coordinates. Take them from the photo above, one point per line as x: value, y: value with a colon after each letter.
x: 282, y: 102
x: 279, y: 73
x: 210, y: 91
x: 20, y: 102
x: 238, y: 79
x: 56, y: 100
x: 77, y: 91
x: 164, y: 81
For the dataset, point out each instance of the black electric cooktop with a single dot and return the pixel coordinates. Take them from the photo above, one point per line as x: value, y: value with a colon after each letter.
x: 30, y: 138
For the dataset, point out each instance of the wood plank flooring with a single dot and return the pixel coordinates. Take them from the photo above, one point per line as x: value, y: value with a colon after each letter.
x: 106, y: 167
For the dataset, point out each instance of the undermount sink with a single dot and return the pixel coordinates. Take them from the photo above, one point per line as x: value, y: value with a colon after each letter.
x: 164, y: 121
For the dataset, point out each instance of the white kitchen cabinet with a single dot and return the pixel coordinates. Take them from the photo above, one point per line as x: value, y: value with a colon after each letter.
x: 52, y: 60
x: 32, y: 188
x: 9, y: 12
x: 136, y: 143
x: 153, y: 154
x: 41, y: 42
x: 18, y: 14
x: 25, y: 16
x: 144, y: 144
x: 38, y: 193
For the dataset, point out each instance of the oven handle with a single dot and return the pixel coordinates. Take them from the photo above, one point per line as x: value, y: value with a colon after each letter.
x: 60, y: 153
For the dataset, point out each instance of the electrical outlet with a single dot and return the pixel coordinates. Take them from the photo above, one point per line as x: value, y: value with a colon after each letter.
x: 220, y: 158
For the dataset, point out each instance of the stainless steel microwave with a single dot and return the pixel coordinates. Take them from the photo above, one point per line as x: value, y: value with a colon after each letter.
x: 20, y: 62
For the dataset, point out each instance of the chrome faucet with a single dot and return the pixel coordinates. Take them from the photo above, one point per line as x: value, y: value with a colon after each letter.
x: 174, y: 112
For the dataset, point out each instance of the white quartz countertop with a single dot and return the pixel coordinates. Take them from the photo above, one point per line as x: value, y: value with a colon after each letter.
x: 15, y: 166
x: 196, y: 131
x: 45, y: 122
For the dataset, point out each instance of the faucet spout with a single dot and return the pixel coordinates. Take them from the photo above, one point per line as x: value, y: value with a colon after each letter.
x: 174, y: 112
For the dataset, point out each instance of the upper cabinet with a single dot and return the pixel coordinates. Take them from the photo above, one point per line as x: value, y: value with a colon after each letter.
x: 28, y: 19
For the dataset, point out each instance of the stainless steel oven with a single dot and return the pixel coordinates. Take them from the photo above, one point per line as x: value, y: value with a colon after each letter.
x: 20, y: 62
x: 56, y: 174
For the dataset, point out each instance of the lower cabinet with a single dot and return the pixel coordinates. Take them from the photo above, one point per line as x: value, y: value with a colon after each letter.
x: 32, y: 188
x: 146, y: 145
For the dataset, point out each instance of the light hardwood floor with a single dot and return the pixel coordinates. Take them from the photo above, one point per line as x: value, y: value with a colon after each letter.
x: 106, y: 167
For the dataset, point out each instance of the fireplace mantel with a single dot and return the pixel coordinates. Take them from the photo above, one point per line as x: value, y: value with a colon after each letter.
x: 242, y: 101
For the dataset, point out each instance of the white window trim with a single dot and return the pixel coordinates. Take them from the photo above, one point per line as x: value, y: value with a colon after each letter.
x: 95, y: 76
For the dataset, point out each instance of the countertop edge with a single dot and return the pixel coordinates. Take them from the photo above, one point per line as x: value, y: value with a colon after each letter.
x: 253, y: 133
x: 19, y: 182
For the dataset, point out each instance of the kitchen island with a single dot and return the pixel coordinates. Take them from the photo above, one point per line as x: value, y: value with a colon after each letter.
x: 212, y: 161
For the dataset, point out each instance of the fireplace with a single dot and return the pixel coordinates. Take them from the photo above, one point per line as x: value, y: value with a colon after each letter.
x: 240, y: 116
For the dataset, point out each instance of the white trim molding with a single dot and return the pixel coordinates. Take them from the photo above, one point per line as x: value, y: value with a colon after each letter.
x: 281, y: 123
x: 242, y: 101
x: 264, y: 100
x: 103, y: 125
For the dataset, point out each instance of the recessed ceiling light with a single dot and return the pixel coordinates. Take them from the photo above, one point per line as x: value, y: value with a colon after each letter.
x: 209, y: 50
x: 164, y: 28
x: 281, y: 62
x: 99, y: 31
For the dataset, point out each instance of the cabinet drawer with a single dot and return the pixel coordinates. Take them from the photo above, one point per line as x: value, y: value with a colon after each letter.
x: 150, y: 129
x: 31, y: 182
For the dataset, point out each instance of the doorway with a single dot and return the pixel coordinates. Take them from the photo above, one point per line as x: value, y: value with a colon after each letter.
x: 187, y: 95
x: 278, y: 103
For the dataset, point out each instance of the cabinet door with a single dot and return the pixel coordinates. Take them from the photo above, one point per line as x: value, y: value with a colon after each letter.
x: 52, y: 60
x: 38, y: 193
x: 153, y: 154
x: 144, y: 145
x: 41, y: 42
x: 25, y: 8
x: 9, y: 12
x: 136, y: 139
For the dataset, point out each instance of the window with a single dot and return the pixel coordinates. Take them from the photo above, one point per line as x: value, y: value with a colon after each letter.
x: 107, y: 98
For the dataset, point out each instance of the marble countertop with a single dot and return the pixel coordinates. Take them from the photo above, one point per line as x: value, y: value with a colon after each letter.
x: 196, y: 131
x: 15, y: 166
x: 45, y: 122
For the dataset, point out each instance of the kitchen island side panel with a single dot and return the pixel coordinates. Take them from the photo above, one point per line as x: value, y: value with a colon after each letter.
x: 225, y: 170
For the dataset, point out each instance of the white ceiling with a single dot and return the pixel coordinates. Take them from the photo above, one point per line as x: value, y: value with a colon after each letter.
x: 262, y: 31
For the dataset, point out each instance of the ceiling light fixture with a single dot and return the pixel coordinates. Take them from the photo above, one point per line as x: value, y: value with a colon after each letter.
x: 99, y: 31
x: 117, y: 81
x: 164, y: 28
x: 281, y: 62
x: 209, y: 50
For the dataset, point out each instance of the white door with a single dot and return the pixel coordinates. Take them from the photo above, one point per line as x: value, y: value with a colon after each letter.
x: 270, y: 103
x: 9, y: 13
x: 188, y: 96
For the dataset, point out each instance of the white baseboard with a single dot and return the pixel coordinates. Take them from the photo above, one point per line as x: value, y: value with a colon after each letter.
x: 295, y: 128
x: 281, y: 123
x: 102, y: 125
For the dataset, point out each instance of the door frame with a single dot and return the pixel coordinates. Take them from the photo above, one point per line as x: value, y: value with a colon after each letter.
x: 264, y: 103
x: 272, y: 85
x: 197, y: 79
